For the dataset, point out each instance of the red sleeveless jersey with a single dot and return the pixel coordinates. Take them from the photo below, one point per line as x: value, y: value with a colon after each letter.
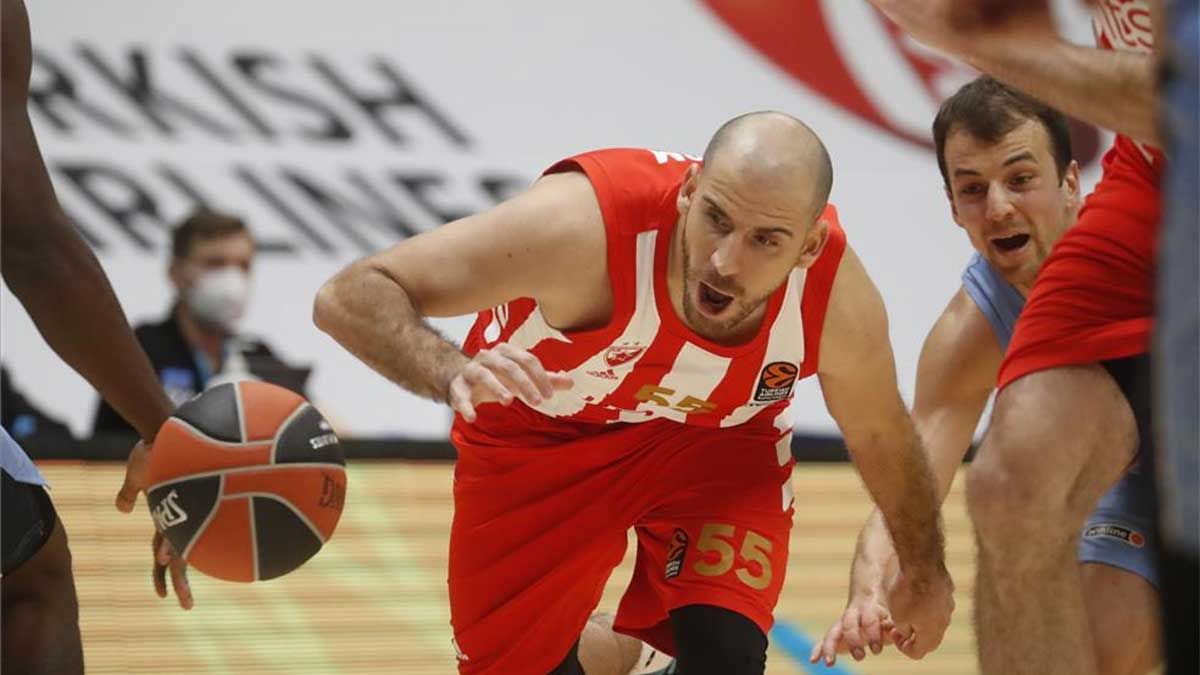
x: 646, y: 364
x: 1125, y: 25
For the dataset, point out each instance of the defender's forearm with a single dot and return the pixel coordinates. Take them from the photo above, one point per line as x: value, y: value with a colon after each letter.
x: 65, y: 291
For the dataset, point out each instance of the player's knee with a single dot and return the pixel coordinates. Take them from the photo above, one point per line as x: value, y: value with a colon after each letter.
x: 712, y: 640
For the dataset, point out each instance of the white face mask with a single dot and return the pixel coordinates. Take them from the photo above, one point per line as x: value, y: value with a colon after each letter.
x: 219, y: 296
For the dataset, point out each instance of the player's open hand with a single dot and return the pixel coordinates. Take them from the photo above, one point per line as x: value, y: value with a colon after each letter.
x: 921, y: 604
x: 137, y: 468
x: 864, y: 625
x: 501, y: 375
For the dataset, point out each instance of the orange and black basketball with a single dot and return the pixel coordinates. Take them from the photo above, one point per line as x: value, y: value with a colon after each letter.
x: 247, y: 481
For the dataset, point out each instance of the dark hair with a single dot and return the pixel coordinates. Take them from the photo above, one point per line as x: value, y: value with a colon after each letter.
x: 204, y: 224
x: 987, y: 110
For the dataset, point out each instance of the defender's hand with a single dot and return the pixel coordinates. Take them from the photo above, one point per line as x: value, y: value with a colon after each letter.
x: 864, y: 625
x: 921, y: 604
x: 500, y: 375
x: 137, y: 468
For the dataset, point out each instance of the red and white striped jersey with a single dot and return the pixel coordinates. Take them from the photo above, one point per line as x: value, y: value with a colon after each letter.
x: 646, y: 363
x: 1126, y: 25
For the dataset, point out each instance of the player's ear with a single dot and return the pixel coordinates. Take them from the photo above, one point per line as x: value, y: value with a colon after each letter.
x: 1070, y: 184
x: 814, y: 242
x: 688, y: 188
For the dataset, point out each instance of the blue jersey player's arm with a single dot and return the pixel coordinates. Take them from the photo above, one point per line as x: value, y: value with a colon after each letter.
x: 58, y: 280
x: 956, y: 374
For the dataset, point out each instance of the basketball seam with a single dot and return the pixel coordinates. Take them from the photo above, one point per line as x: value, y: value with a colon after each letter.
x: 241, y: 410
x: 199, y: 434
x: 283, y: 427
x: 212, y: 513
x: 282, y: 500
x: 253, y: 540
x: 244, y: 469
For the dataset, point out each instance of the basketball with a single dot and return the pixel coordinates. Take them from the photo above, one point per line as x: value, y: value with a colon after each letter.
x: 246, y: 481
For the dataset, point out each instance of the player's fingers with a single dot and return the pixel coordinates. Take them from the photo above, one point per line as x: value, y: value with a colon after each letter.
x: 514, y: 376
x: 532, y: 367
x: 179, y: 581
x: 829, y: 646
x: 162, y: 551
x: 482, y: 378
x: 872, y: 624
x: 136, y: 468
x: 852, y: 634
x: 561, y: 381
x: 460, y: 399
x: 159, y: 573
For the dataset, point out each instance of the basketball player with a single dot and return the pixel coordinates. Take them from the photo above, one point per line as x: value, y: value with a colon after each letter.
x: 56, y: 277
x: 1013, y: 188
x: 1073, y: 403
x: 643, y: 318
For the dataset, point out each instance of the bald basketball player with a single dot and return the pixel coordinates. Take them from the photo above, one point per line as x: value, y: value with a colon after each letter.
x: 1013, y: 188
x: 643, y: 318
x: 58, y: 280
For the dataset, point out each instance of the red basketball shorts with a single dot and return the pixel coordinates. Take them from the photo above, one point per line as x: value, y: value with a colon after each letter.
x: 538, y: 530
x: 1094, y: 297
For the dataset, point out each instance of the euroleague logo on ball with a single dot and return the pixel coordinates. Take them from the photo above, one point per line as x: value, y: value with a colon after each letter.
x: 851, y: 55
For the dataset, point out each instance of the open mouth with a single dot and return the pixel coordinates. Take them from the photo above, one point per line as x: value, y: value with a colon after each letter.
x: 713, y: 301
x: 1011, y: 244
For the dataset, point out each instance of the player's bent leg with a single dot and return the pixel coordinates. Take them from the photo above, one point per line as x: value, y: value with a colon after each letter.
x: 1122, y: 611
x: 39, y: 606
x: 1058, y: 439
x: 713, y: 640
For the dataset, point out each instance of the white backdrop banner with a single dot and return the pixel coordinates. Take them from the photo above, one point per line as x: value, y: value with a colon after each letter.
x: 336, y: 129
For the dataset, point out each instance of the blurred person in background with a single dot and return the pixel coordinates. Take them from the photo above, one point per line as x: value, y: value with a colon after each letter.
x: 59, y: 282
x: 197, y: 345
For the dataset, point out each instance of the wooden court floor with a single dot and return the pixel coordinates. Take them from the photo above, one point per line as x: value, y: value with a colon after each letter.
x: 374, y: 600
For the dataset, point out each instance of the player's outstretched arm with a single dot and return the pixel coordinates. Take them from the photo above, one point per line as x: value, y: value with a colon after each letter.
x: 538, y: 245
x: 1016, y: 42
x: 858, y: 378
x: 49, y: 267
x: 955, y: 375
x: 58, y: 280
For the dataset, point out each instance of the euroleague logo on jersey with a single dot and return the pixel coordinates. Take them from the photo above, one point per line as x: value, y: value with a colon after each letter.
x: 852, y: 56
x: 776, y: 381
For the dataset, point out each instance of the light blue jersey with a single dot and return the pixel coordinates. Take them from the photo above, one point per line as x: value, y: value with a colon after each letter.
x: 1120, y: 532
x: 14, y: 461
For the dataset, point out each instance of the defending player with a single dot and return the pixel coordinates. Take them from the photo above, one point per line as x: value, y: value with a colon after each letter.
x: 1013, y: 188
x: 56, y: 277
x: 643, y: 318
x: 1073, y: 404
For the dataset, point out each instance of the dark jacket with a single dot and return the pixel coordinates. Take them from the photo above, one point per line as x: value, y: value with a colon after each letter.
x: 179, y: 371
